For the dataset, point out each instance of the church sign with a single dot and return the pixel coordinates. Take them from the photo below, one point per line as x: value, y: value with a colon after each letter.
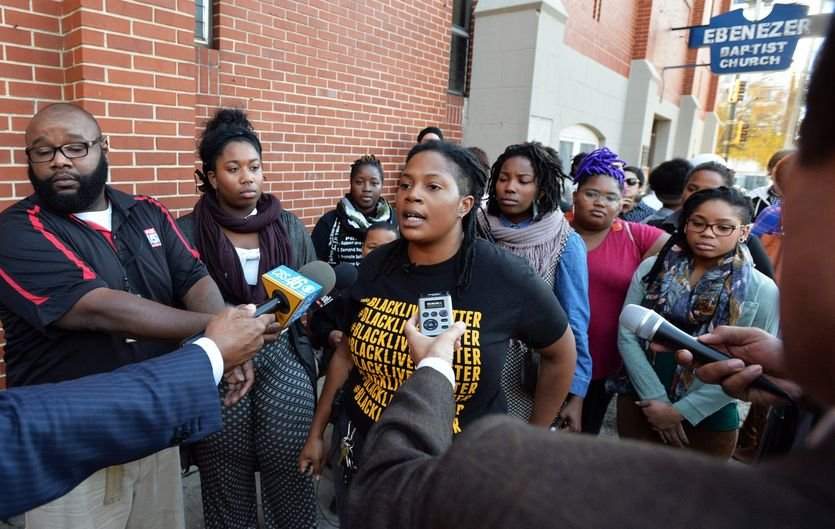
x: 738, y: 45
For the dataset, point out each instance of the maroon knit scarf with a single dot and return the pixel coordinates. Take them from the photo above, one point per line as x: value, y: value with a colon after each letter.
x: 219, y: 254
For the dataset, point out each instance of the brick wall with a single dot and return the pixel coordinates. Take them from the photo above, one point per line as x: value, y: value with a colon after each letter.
x: 669, y: 48
x: 602, y: 30
x: 614, y: 33
x: 323, y: 82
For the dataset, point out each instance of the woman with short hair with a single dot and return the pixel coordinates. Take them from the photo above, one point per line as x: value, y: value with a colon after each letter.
x: 493, y: 291
x: 339, y: 233
x: 615, y: 249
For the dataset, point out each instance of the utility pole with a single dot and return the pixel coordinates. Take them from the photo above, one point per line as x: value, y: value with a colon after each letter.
x: 730, y: 125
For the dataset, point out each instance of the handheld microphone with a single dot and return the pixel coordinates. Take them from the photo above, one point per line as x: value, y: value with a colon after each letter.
x: 651, y: 326
x: 292, y: 293
x: 346, y: 276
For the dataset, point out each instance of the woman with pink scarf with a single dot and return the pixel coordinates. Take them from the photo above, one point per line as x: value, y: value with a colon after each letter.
x: 523, y: 216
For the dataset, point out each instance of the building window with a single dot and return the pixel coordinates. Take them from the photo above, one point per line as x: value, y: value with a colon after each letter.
x: 203, y: 21
x: 459, y: 45
x: 576, y: 139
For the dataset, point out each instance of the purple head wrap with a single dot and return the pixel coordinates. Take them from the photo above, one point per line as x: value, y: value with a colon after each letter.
x: 600, y: 161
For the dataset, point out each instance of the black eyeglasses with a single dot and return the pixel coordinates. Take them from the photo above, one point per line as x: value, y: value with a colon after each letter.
x: 631, y: 181
x: 45, y: 153
x: 720, y: 230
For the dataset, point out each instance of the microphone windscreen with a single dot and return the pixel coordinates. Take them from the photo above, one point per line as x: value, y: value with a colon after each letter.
x: 322, y: 273
x: 346, y: 275
x: 640, y: 320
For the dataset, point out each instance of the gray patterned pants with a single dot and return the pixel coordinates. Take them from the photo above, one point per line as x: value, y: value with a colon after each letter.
x: 265, y: 431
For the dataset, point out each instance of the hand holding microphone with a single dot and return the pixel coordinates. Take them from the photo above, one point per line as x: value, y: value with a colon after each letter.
x: 290, y: 294
x: 238, y: 334
x: 755, y: 352
x: 748, y: 344
x: 293, y: 293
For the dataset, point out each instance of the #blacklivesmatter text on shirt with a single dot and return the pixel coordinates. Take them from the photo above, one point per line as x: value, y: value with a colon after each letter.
x: 381, y: 354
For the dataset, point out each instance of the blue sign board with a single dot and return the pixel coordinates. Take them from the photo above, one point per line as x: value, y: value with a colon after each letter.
x: 738, y: 45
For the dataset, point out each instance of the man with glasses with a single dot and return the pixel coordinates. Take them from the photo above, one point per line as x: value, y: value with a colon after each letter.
x: 89, y: 281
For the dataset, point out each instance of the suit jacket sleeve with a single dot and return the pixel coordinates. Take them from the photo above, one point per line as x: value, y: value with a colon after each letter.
x: 503, y: 473
x: 401, y: 452
x: 55, y: 435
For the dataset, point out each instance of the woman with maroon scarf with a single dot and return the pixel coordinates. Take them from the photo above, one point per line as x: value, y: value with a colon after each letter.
x: 242, y: 233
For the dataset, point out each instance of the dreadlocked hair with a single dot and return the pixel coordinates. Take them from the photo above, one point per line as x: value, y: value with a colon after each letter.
x: 548, y: 175
x: 227, y: 125
x: 366, y: 159
x: 600, y: 161
x: 731, y: 196
x: 471, y: 179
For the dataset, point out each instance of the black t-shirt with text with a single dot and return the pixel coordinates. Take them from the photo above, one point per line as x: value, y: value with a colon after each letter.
x: 505, y: 299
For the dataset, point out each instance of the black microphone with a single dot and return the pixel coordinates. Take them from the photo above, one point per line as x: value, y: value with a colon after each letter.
x: 346, y: 275
x: 651, y: 326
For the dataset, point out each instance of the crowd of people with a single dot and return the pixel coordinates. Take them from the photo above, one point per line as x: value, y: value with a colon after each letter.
x: 93, y: 279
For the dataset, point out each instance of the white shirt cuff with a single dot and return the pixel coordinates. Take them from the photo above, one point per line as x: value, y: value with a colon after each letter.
x: 441, y: 366
x: 216, y: 359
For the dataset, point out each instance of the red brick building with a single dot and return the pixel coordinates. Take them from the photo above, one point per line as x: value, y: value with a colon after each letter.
x: 324, y: 81
x: 576, y: 74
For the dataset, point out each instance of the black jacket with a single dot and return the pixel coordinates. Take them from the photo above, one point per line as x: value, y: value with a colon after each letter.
x: 303, y: 252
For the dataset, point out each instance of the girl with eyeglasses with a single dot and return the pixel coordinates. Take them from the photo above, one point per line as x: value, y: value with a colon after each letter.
x: 704, y: 279
x: 710, y: 175
x: 615, y: 249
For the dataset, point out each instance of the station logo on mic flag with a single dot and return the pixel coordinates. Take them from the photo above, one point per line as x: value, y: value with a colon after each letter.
x: 301, y: 292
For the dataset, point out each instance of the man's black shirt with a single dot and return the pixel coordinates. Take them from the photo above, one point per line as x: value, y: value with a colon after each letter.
x: 49, y: 261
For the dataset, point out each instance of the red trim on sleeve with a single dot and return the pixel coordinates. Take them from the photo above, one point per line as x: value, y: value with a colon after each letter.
x: 37, y: 300
x: 194, y: 253
x: 87, y: 273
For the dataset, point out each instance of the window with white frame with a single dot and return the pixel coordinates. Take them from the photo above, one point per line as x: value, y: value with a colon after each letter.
x: 203, y: 21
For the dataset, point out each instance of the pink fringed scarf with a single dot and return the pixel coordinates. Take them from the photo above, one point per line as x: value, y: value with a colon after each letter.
x: 541, y: 243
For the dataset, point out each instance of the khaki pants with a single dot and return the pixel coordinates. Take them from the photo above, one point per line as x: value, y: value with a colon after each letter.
x: 148, y: 496
x: 633, y: 424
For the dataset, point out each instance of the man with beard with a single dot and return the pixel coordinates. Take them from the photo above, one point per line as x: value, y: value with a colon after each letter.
x: 92, y: 279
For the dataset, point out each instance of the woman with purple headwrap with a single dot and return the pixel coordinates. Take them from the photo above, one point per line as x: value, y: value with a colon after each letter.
x: 615, y: 249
